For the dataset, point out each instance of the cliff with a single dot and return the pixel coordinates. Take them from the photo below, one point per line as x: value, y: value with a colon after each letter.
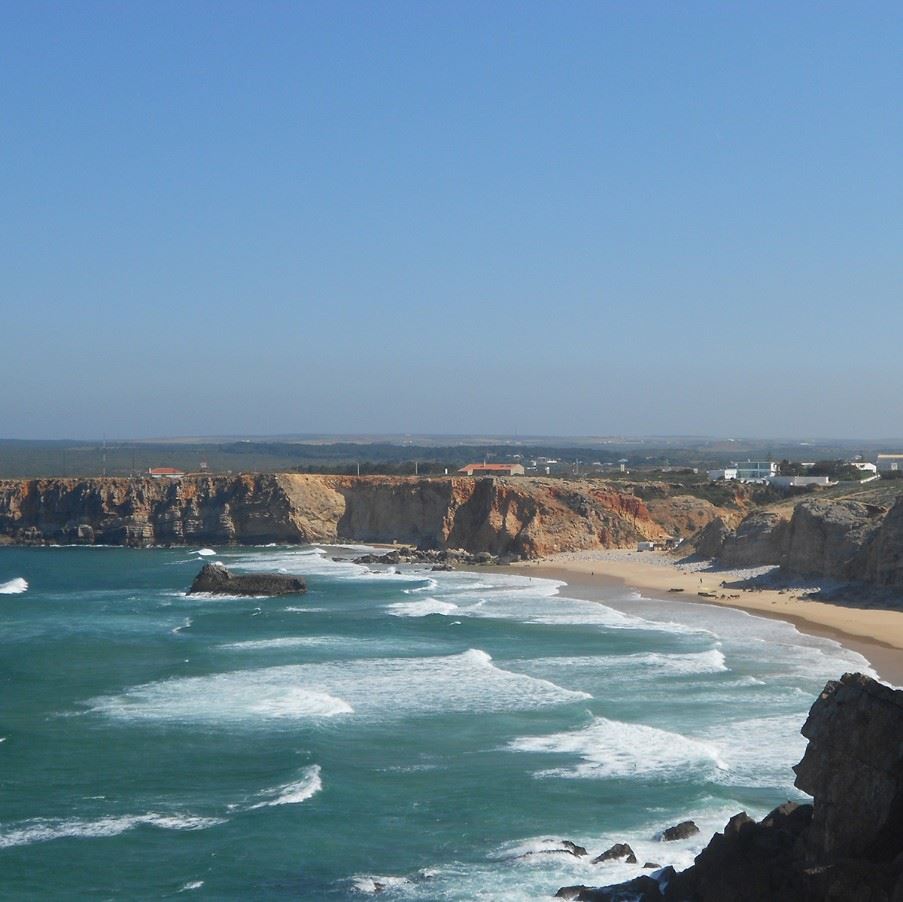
x: 526, y: 517
x: 846, y: 846
x: 839, y: 540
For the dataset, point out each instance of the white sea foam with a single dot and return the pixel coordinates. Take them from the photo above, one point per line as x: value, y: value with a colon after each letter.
x: 614, y: 749
x: 758, y: 751
x: 45, y: 829
x: 14, y: 586
x: 186, y: 625
x: 282, y: 642
x: 206, y: 552
x: 431, y: 584
x: 647, y: 666
x: 191, y: 885
x: 422, y: 608
x: 297, y: 610
x: 300, y: 790
x: 384, y: 688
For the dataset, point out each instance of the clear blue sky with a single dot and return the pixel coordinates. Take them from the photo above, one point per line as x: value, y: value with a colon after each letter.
x: 556, y: 218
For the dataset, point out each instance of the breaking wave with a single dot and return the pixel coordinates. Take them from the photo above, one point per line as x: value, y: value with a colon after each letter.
x: 45, y: 829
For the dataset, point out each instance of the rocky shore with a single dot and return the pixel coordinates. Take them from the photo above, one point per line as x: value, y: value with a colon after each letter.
x: 845, y: 846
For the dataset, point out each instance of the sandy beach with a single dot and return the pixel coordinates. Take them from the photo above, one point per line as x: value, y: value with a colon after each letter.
x: 875, y: 633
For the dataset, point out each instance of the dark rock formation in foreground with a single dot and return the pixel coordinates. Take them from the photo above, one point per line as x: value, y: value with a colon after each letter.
x: 845, y: 847
x: 215, y: 579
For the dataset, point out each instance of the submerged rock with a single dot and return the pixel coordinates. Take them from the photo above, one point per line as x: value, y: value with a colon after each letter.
x: 215, y: 579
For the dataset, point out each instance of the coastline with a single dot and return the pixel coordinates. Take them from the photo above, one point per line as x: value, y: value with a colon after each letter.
x: 876, y: 634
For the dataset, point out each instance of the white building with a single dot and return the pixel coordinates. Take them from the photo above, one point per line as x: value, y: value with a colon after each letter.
x: 864, y: 465
x: 748, y: 471
x: 888, y: 462
x: 796, y: 481
x: 756, y: 470
x: 725, y: 473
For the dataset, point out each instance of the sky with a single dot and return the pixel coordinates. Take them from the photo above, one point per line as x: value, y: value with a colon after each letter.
x: 600, y: 218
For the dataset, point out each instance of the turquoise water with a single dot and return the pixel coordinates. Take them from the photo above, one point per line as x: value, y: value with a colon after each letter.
x: 413, y: 732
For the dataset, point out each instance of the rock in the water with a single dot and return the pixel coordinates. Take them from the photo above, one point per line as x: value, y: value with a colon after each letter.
x: 645, y: 887
x: 574, y: 849
x: 618, y: 850
x: 215, y: 579
x: 845, y: 847
x: 683, y: 830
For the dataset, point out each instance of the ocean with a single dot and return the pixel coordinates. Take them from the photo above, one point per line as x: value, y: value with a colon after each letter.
x: 420, y: 735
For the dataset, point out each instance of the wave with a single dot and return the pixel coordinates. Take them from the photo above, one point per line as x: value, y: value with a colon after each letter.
x: 45, y: 829
x: 281, y: 642
x: 431, y: 585
x: 205, y: 552
x: 308, y: 785
x: 613, y: 749
x: 14, y: 586
x: 382, y: 688
x: 422, y: 608
x: 186, y: 625
x: 757, y: 751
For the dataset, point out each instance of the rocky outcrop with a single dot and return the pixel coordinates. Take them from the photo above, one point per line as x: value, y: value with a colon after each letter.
x: 502, y: 517
x: 829, y: 538
x: 618, y: 851
x: 846, y: 846
x: 758, y: 540
x: 839, y: 540
x: 214, y: 579
x: 683, y: 830
x: 709, y: 541
x: 683, y: 515
x: 884, y: 555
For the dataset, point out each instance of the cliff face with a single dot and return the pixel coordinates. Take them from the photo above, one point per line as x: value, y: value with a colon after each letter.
x: 529, y: 517
x: 846, y: 846
x: 826, y: 539
x: 843, y: 540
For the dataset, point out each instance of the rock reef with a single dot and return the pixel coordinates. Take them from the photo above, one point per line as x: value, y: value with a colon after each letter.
x: 846, y: 846
x: 503, y: 517
x: 214, y: 579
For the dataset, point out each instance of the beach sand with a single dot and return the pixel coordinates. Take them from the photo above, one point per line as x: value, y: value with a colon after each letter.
x: 875, y: 633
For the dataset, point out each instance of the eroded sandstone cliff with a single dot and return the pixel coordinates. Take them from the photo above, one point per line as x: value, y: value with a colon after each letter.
x: 527, y: 517
x: 838, y: 540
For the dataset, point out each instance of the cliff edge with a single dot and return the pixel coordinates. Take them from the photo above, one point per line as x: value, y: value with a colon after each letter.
x: 506, y: 517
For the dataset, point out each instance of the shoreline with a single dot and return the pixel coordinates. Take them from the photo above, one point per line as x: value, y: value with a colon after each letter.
x: 876, y: 634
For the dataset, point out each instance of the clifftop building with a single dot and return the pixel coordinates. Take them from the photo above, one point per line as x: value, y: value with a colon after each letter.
x: 492, y: 470
x: 889, y: 462
x: 749, y: 471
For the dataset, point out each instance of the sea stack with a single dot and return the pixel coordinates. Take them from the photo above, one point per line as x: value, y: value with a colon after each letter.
x: 215, y: 579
